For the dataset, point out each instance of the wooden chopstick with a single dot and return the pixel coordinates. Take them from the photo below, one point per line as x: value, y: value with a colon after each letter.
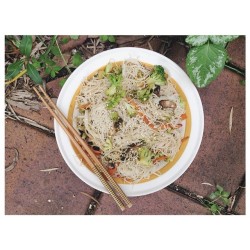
x: 82, y: 147
x: 89, y: 151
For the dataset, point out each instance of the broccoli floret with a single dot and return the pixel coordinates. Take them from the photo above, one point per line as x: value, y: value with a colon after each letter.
x: 115, y: 79
x: 108, y: 68
x: 144, y: 94
x: 145, y: 156
x: 115, y: 92
x: 111, y: 90
x: 157, y: 76
x: 114, y: 100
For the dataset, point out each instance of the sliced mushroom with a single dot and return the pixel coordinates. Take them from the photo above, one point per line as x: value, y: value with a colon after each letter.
x: 167, y: 104
x: 157, y: 90
x: 118, y: 123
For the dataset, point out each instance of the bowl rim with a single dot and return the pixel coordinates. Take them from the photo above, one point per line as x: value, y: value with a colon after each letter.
x: 151, y: 57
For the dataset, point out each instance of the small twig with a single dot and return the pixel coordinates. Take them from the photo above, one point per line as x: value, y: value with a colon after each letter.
x: 235, y: 69
x: 91, y: 197
x: 29, y: 122
x: 206, y: 183
x: 88, y: 51
x: 237, y: 194
x: 13, y: 111
x: 231, y: 120
x: 16, y: 77
x: 48, y: 170
x: 149, y: 45
x: 65, y: 63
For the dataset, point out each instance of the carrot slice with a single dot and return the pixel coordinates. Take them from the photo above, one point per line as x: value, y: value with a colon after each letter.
x: 184, y: 116
x: 160, y: 158
x: 112, y: 171
x: 140, y: 113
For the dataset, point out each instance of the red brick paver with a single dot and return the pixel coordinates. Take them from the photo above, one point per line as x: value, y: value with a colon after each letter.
x: 159, y: 203
x: 30, y: 191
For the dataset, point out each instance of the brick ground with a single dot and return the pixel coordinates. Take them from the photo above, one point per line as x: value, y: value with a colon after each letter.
x: 161, y: 202
x: 30, y: 191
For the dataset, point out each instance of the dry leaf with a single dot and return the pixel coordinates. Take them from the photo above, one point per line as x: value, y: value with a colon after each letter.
x: 73, y: 43
x: 23, y: 99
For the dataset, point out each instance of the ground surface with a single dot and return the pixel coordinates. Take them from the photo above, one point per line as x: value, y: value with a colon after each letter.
x: 220, y: 160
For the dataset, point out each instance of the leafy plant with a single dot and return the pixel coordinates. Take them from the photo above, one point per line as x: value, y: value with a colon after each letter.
x: 33, y: 65
x: 62, y: 81
x: 106, y: 38
x: 218, y: 195
x: 77, y: 59
x: 206, y: 58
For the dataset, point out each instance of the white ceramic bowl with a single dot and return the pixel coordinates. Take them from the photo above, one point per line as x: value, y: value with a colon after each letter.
x: 148, y: 56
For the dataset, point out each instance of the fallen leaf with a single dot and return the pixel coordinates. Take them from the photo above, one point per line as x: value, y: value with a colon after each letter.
x: 23, y: 99
x: 59, y: 61
x: 73, y: 43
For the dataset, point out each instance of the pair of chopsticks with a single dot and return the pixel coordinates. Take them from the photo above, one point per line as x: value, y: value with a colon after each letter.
x: 88, y: 155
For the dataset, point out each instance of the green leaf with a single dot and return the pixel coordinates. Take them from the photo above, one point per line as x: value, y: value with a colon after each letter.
x: 52, y: 73
x: 77, y: 59
x: 104, y: 38
x: 48, y: 70
x: 111, y: 39
x: 74, y: 37
x: 205, y: 63
x: 213, y: 196
x: 44, y: 58
x: 215, y: 209
x: 196, y: 40
x: 65, y: 40
x: 219, y: 188
x: 225, y: 194
x: 36, y: 63
x: 222, y: 39
x: 57, y: 68
x: 13, y: 70
x: 61, y: 82
x: 55, y: 51
x: 33, y: 74
x: 26, y: 45
x: 225, y: 200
